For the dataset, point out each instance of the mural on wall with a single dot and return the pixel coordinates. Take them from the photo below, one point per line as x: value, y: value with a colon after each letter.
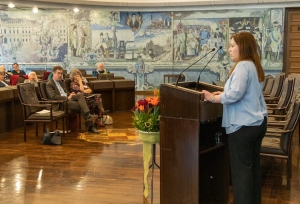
x: 195, y: 35
x: 28, y: 37
x: 142, y: 44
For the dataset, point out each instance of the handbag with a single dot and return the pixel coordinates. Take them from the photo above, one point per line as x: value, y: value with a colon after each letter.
x: 52, y: 138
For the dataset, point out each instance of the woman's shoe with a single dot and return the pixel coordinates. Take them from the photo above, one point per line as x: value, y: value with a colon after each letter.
x: 98, y: 123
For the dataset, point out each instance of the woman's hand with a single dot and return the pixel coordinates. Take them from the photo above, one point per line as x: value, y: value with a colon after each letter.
x: 207, y: 95
x: 217, y: 92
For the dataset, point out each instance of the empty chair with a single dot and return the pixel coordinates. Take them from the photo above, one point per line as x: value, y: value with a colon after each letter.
x: 268, y: 86
x: 31, y: 106
x: 277, y: 105
x: 277, y: 86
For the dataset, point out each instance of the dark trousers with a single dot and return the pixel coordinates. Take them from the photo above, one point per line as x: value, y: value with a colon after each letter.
x: 78, y: 103
x: 244, y: 153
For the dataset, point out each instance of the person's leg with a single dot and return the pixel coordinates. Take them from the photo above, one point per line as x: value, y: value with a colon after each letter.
x: 257, y: 173
x: 242, y: 144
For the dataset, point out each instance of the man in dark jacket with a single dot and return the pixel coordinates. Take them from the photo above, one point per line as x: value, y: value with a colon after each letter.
x: 56, y: 91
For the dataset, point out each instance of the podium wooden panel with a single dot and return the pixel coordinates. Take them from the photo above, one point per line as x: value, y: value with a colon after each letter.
x: 193, y: 168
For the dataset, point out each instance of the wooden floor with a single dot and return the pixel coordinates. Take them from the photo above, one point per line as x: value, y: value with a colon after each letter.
x: 104, y: 169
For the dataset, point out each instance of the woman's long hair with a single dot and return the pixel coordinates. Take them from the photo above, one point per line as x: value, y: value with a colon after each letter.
x: 248, y: 52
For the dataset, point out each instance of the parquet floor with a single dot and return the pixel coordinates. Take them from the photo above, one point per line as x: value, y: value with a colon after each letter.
x: 104, y: 169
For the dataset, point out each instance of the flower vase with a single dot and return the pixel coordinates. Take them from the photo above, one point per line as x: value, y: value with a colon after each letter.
x: 149, y: 139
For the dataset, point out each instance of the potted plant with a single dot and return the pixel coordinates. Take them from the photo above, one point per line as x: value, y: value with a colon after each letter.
x: 146, y: 118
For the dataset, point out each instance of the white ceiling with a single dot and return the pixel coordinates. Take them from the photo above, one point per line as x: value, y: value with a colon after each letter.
x: 134, y: 4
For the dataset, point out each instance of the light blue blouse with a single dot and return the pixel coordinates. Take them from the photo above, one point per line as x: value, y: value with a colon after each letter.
x: 242, y: 99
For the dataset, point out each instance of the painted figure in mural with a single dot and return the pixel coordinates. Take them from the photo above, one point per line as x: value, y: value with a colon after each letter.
x: 222, y: 69
x: 275, y: 40
x: 191, y: 44
x: 134, y: 22
x: 73, y: 40
x: 101, y: 45
x: 204, y: 36
x: 220, y: 39
x: 1, y: 46
x: 115, y: 39
x: 182, y: 44
x: 115, y: 16
x: 80, y: 40
x: 177, y: 55
x: 140, y: 72
x: 108, y: 43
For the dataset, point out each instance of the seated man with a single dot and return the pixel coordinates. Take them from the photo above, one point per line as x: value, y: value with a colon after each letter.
x: 32, y: 78
x: 17, y: 70
x: 6, y: 74
x: 100, y: 70
x: 56, y: 91
x: 2, y: 81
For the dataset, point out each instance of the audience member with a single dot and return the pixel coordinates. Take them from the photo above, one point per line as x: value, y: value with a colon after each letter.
x: 2, y: 81
x: 32, y: 78
x: 56, y: 91
x: 100, y: 70
x: 6, y: 74
x: 94, y: 101
x: 17, y: 70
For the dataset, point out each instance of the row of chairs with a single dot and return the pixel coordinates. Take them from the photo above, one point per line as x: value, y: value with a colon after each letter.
x: 283, y: 102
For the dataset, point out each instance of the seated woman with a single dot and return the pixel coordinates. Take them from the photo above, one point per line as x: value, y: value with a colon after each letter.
x: 94, y: 101
x: 32, y: 78
x: 2, y: 81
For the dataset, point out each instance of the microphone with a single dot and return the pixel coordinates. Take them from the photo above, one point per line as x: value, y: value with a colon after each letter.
x: 205, y: 67
x: 179, y: 76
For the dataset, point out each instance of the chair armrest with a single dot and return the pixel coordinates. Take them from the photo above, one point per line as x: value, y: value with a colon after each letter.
x: 39, y: 105
x: 278, y: 131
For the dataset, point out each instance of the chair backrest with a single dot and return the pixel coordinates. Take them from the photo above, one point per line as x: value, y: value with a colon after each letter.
x: 267, y: 77
x: 287, y: 92
x: 67, y: 84
x: 292, y: 119
x: 46, y: 75
x: 27, y: 95
x: 277, y: 85
x: 22, y: 78
x: 269, y: 86
x: 109, y: 76
x: 42, y: 90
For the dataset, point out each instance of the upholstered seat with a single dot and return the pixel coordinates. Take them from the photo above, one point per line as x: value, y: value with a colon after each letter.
x: 31, y: 106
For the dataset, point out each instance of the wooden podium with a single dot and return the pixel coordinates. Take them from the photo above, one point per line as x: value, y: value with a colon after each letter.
x: 194, y: 169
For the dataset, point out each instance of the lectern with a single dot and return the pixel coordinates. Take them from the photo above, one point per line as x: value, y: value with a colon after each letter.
x: 194, y: 169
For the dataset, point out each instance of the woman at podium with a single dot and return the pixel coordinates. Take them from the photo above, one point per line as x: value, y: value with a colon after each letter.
x: 244, y: 117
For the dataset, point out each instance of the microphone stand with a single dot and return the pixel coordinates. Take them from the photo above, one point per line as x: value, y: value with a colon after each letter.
x: 179, y: 76
x: 205, y: 67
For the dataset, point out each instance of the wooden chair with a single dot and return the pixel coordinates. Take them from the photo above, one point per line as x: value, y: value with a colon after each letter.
x: 268, y: 86
x: 31, y: 105
x: 279, y: 105
x: 277, y: 142
x: 277, y: 86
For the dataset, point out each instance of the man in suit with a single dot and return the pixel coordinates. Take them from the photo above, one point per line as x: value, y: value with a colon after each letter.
x: 17, y: 70
x: 56, y: 91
